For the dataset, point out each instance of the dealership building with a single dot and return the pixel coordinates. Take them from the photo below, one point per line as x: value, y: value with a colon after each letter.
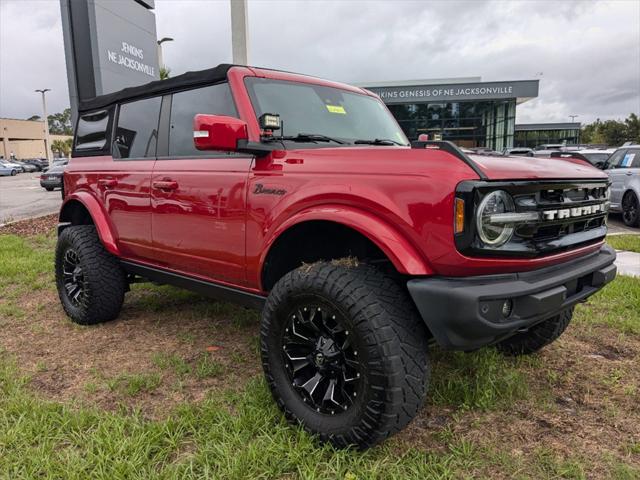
x: 466, y: 111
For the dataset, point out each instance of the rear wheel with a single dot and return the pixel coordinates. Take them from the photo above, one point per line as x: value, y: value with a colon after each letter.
x: 630, y: 210
x: 91, y: 284
x: 344, y: 353
x: 538, y: 336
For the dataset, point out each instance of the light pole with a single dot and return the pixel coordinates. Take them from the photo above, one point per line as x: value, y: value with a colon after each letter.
x: 239, y: 29
x: 160, y: 42
x: 47, y: 145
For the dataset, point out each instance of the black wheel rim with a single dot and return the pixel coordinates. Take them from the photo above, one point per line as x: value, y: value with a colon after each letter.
x: 73, y: 278
x: 630, y: 209
x: 321, y: 359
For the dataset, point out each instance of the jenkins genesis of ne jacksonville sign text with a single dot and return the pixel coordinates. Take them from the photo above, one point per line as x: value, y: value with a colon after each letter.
x: 131, y: 57
x: 466, y: 91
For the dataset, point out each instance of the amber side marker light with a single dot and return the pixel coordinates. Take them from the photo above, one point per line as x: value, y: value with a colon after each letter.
x: 459, y: 216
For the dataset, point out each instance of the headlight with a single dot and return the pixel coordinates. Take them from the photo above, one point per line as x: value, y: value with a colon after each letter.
x: 491, y: 229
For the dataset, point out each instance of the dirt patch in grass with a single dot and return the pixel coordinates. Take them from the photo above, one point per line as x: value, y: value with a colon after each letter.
x: 36, y: 226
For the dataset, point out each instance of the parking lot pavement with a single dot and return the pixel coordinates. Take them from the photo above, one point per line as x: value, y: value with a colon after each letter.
x: 23, y: 197
x: 617, y: 226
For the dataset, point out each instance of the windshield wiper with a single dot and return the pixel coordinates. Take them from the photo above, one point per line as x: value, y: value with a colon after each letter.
x: 306, y: 137
x: 378, y: 141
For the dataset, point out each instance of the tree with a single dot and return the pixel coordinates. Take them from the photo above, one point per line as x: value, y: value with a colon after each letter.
x: 165, y: 73
x: 34, y: 118
x: 633, y: 128
x: 62, y: 147
x: 60, y: 123
x: 612, y: 132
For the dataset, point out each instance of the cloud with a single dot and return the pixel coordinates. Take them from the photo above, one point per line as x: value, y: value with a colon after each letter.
x: 588, y: 52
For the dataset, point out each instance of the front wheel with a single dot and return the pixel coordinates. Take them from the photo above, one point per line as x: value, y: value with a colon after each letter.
x: 49, y: 189
x: 538, y: 336
x: 91, y: 284
x: 344, y: 353
x: 630, y: 210
x: 13, y: 173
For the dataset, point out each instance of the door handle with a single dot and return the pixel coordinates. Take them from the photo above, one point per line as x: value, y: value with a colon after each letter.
x: 165, y: 185
x: 107, y: 182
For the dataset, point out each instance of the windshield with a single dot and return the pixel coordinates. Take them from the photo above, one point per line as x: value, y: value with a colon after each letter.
x: 306, y: 108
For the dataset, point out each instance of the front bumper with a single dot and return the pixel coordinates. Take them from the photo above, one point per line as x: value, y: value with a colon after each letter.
x: 466, y: 313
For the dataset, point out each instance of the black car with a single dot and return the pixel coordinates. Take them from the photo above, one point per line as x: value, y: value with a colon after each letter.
x: 52, y: 178
x: 40, y: 163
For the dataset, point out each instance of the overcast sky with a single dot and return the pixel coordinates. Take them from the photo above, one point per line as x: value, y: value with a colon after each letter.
x: 586, y: 54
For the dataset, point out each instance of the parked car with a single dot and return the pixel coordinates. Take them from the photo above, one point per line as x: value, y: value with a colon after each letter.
x: 39, y: 163
x: 358, y: 248
x: 52, y: 178
x: 28, y: 167
x: 597, y: 158
x: 549, y: 146
x: 518, y: 152
x: 484, y: 151
x: 6, y: 170
x: 58, y: 162
x: 18, y: 166
x: 623, y: 167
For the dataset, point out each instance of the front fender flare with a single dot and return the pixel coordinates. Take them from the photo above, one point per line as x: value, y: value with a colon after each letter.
x: 404, y: 256
x: 104, y: 227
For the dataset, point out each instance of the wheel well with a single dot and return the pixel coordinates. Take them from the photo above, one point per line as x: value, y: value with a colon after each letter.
x: 76, y: 213
x: 316, y: 240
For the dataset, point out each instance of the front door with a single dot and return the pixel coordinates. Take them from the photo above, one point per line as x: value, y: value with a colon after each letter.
x: 198, y: 199
x: 616, y: 171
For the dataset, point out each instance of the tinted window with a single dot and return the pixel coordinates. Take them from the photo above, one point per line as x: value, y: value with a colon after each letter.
x: 615, y: 158
x: 91, y: 133
x: 137, y: 130
x: 214, y: 100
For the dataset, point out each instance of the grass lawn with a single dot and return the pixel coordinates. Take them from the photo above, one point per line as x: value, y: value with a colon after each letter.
x: 173, y: 389
x: 630, y: 243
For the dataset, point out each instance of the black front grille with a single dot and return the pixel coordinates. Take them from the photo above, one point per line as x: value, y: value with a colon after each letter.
x: 565, y: 219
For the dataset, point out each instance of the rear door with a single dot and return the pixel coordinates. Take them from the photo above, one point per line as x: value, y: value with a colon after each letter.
x: 199, y: 198
x: 616, y: 173
x: 125, y: 185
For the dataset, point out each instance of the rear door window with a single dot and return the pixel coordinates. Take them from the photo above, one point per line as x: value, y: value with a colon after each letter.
x: 137, y: 129
x: 93, y: 132
x: 212, y: 100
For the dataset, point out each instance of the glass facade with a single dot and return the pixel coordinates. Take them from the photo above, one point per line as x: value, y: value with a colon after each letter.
x: 468, y: 124
x: 531, y: 138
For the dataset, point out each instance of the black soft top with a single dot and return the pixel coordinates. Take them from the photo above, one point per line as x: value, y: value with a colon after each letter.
x: 157, y: 87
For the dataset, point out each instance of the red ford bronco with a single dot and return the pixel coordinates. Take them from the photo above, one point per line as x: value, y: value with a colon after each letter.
x: 303, y: 198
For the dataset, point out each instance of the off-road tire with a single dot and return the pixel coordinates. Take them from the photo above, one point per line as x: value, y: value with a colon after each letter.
x: 538, y: 336
x: 631, y: 210
x: 104, y: 281
x: 385, y: 327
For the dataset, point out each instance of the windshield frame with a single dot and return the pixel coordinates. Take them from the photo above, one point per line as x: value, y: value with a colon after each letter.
x: 289, y: 143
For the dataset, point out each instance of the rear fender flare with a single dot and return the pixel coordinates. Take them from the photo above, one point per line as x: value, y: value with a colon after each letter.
x: 104, y: 227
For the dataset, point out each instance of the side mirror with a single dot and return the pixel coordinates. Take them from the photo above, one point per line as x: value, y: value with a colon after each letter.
x: 218, y: 132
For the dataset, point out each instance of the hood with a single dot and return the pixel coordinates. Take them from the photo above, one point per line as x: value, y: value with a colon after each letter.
x: 521, y: 168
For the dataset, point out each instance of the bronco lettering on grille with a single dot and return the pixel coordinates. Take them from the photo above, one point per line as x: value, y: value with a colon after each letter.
x: 573, y: 212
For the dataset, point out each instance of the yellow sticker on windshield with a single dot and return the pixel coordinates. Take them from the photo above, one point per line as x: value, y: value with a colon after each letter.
x: 336, y: 109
